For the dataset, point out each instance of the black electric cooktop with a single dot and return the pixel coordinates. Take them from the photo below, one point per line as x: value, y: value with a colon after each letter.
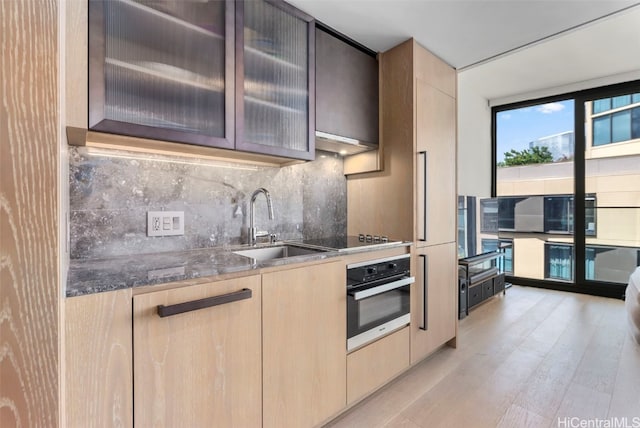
x: 339, y: 243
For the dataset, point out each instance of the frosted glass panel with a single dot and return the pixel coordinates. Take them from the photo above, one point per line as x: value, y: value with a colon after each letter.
x: 276, y: 94
x: 165, y: 63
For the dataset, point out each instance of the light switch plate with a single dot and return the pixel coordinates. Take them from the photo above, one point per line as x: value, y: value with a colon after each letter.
x: 165, y: 223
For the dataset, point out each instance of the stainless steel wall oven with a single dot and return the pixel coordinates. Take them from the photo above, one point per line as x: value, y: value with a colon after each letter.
x: 377, y: 298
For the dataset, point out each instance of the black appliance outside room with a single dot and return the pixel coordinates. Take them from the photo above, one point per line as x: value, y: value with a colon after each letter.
x: 462, y: 293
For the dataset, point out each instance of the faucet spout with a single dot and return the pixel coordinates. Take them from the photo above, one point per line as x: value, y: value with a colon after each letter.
x: 252, y: 229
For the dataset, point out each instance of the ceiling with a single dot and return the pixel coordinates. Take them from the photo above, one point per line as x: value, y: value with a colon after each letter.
x: 566, y: 40
x: 603, y: 52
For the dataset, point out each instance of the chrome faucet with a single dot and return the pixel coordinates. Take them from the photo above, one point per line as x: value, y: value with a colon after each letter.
x: 253, y: 234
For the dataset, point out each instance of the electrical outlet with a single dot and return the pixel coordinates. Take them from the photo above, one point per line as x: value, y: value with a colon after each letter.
x: 165, y: 223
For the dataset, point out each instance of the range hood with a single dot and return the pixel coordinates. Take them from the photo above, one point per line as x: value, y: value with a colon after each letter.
x: 343, y: 145
x: 346, y: 94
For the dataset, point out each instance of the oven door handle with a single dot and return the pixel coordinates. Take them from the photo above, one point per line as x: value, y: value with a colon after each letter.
x: 359, y: 295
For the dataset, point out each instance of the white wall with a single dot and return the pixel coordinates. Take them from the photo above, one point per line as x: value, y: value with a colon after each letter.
x: 474, y: 141
x: 573, y: 87
x: 599, y: 53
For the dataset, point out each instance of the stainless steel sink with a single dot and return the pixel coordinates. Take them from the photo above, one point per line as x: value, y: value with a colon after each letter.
x: 277, y: 252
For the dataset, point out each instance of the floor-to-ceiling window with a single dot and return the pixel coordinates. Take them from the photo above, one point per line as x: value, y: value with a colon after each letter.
x: 534, y: 147
x: 567, y: 188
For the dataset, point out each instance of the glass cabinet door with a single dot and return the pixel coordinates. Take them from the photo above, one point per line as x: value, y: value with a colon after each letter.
x: 163, y: 69
x: 275, y: 78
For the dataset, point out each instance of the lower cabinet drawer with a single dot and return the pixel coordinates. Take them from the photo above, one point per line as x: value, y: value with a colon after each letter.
x: 487, y: 289
x: 374, y: 365
x: 475, y: 295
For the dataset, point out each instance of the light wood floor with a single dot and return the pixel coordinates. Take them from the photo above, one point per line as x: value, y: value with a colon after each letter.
x: 523, y: 360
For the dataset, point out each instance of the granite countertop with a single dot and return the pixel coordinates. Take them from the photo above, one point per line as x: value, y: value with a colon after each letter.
x: 100, y: 275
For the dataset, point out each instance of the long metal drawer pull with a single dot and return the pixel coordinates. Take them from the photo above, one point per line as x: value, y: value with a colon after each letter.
x: 424, y: 196
x: 425, y: 292
x: 194, y: 305
x: 359, y: 295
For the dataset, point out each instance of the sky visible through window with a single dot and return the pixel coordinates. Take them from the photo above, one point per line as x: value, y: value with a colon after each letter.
x: 516, y: 128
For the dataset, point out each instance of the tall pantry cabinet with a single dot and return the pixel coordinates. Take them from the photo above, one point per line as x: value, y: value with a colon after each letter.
x: 414, y: 198
x: 435, y: 303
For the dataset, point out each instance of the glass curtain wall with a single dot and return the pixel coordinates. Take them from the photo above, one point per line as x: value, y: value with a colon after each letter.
x: 567, y: 189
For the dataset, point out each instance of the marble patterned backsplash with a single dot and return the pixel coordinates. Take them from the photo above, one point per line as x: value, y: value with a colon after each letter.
x: 111, y: 191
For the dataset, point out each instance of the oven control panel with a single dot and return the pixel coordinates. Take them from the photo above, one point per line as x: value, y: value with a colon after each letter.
x: 378, y: 269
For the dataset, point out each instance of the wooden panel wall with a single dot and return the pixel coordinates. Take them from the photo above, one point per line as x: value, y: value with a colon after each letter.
x: 366, y: 193
x: 29, y: 289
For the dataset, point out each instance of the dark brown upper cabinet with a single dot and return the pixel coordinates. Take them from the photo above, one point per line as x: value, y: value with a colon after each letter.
x: 232, y: 75
x: 163, y: 70
x: 346, y: 94
x: 275, y: 77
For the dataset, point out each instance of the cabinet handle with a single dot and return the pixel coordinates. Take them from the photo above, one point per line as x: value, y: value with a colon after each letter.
x: 425, y: 292
x: 424, y: 196
x: 194, y: 305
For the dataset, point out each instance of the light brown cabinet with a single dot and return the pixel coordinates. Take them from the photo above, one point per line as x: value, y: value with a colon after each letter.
x: 434, y: 294
x: 436, y: 165
x: 418, y: 128
x: 374, y: 365
x: 433, y: 299
x: 304, y: 345
x: 98, y: 352
x: 203, y: 367
x: 414, y: 198
x: 271, y: 352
